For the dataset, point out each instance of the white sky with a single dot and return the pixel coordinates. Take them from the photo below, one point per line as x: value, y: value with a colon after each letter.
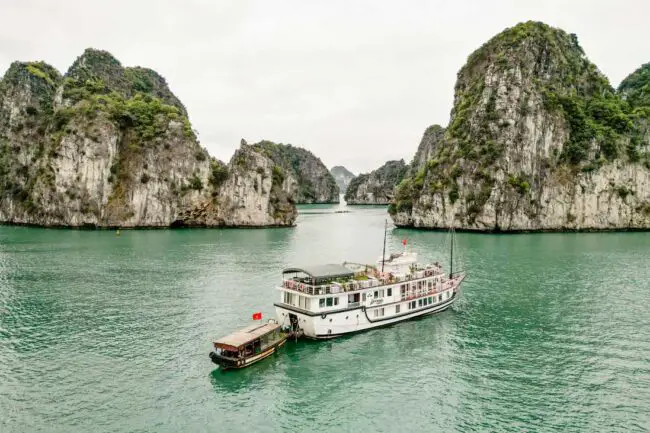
x: 355, y: 82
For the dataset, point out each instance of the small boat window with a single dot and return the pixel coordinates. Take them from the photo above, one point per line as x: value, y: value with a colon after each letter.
x: 419, y: 302
x: 336, y: 301
x: 328, y: 302
x: 397, y: 309
x: 376, y: 294
x: 389, y: 292
x: 440, y: 297
x: 321, y: 302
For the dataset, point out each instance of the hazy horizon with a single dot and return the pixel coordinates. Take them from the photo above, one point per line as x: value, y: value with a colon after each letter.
x: 356, y: 83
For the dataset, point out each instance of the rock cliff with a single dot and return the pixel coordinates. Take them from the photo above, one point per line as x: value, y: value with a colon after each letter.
x: 377, y: 186
x: 306, y: 177
x: 342, y: 176
x: 537, y: 140
x: 108, y: 146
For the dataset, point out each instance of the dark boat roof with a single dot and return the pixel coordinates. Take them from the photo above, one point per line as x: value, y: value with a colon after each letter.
x: 249, y: 333
x: 323, y: 272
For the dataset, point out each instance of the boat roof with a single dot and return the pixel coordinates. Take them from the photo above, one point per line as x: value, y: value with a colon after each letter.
x: 322, y: 272
x: 249, y: 333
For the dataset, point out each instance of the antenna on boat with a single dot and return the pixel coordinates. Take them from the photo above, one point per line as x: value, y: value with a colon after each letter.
x: 451, y: 267
x: 383, y: 254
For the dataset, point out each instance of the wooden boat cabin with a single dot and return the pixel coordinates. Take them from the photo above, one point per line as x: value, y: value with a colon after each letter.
x: 247, y: 346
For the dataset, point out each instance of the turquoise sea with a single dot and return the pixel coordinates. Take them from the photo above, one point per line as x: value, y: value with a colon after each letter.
x: 100, y: 333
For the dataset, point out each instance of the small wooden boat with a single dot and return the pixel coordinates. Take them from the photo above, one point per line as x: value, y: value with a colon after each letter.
x: 247, y: 346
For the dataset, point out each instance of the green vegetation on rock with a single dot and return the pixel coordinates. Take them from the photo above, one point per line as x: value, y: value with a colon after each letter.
x: 377, y: 186
x: 315, y: 183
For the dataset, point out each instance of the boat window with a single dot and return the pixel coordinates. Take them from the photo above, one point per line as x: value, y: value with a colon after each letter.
x: 424, y: 302
x: 389, y: 292
x: 354, y: 297
x: 376, y: 294
x: 363, y: 297
x: 336, y: 301
x: 321, y: 302
x: 329, y: 302
x: 396, y: 309
x: 430, y: 300
x: 419, y: 302
x: 440, y: 297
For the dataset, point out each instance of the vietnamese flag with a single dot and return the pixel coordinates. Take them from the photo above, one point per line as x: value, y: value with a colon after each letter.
x: 257, y: 316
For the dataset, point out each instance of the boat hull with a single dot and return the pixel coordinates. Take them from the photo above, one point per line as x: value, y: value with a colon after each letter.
x: 229, y: 364
x: 335, y: 324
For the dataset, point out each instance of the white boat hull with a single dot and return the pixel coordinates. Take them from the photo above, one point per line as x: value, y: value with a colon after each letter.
x: 336, y: 323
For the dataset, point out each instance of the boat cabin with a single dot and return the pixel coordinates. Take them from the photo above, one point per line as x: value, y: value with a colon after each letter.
x: 247, y: 345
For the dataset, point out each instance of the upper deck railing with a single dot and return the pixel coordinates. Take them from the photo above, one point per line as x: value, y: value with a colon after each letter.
x: 299, y: 285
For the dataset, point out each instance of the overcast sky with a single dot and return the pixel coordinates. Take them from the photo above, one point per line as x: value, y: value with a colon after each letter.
x: 355, y: 82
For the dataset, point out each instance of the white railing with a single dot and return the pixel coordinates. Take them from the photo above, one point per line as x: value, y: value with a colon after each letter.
x: 333, y: 288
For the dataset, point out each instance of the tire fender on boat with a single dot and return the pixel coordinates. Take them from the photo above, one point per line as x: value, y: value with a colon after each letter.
x: 323, y: 316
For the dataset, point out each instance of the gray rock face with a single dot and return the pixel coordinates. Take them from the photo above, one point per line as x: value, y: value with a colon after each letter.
x: 429, y: 144
x: 101, y: 148
x: 537, y: 140
x: 377, y: 186
x: 342, y: 176
x: 308, y: 179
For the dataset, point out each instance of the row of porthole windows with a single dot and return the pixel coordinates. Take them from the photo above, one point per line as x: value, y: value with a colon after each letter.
x: 328, y: 302
x: 423, y: 302
x: 333, y: 301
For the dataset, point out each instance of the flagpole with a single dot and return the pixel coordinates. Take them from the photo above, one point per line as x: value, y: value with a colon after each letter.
x: 383, y: 254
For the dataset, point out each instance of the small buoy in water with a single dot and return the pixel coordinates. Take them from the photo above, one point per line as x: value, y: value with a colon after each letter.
x: 117, y: 232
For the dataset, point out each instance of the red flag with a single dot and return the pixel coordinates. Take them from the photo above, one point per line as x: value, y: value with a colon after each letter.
x: 404, y: 242
x: 257, y: 316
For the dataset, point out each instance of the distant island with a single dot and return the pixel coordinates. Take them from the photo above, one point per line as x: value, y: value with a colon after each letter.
x: 342, y: 176
x: 377, y: 186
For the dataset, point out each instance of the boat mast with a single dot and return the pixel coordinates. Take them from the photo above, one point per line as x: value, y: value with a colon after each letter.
x: 383, y: 254
x: 451, y: 267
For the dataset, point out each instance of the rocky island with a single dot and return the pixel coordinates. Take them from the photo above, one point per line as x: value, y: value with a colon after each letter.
x: 342, y: 176
x: 306, y: 177
x: 111, y: 146
x: 538, y: 140
x: 377, y: 186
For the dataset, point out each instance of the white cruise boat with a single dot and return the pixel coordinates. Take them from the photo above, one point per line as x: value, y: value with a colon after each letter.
x: 330, y: 300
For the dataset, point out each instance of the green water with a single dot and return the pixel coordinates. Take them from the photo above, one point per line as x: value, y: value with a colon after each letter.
x: 100, y: 333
